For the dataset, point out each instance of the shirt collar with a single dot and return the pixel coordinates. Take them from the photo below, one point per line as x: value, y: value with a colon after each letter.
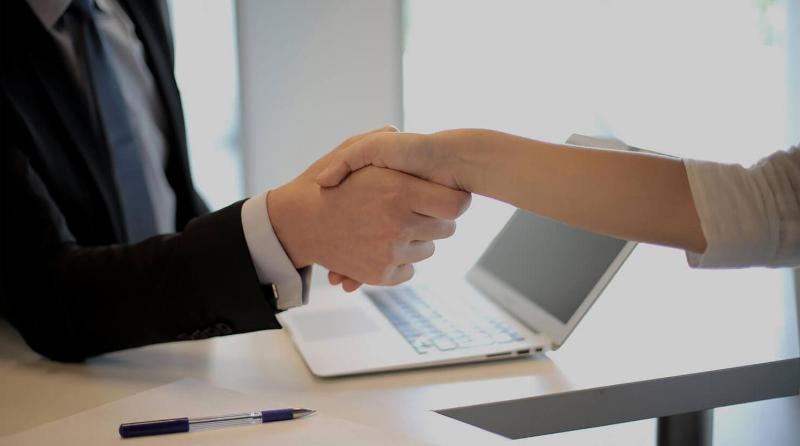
x: 103, y: 5
x: 49, y: 11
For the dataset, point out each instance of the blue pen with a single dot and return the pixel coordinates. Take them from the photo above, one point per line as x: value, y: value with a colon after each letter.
x: 175, y: 425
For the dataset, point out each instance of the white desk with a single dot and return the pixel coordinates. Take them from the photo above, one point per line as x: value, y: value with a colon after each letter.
x: 674, y: 322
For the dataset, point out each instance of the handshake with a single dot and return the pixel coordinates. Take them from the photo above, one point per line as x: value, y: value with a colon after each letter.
x: 368, y: 224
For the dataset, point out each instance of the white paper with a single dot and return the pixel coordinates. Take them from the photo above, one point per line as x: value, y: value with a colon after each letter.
x: 194, y: 398
x: 602, y: 142
x: 598, y: 142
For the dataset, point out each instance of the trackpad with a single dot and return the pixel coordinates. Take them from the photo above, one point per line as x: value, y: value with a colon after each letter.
x: 329, y: 324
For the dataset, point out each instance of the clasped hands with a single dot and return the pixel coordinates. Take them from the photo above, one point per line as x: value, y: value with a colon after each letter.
x: 366, y: 224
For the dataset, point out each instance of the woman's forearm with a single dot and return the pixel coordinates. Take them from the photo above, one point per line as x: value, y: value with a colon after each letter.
x: 628, y: 195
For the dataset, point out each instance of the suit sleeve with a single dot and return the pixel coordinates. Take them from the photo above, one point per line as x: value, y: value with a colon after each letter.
x: 70, y: 301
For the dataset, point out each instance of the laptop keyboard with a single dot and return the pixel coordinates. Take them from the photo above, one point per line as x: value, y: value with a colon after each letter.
x: 427, y: 329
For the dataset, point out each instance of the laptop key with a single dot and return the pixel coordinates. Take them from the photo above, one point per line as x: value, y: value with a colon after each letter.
x: 501, y: 338
x: 476, y: 341
x: 421, y: 344
x: 445, y: 344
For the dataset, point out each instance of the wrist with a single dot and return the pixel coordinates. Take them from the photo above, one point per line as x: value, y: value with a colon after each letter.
x: 290, y: 224
x: 459, y: 156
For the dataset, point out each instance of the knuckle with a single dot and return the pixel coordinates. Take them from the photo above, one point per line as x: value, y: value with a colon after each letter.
x: 448, y: 228
x: 349, y: 141
x: 460, y: 204
x: 451, y: 206
x: 451, y: 210
x: 342, y: 145
x: 430, y: 249
x: 408, y: 273
x: 466, y: 200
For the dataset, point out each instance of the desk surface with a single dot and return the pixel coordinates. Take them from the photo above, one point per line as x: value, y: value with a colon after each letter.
x: 656, y: 319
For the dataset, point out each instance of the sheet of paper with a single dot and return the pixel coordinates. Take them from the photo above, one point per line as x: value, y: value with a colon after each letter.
x: 608, y: 143
x: 194, y: 398
x: 599, y: 142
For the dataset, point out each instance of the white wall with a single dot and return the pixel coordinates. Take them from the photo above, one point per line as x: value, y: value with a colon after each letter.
x: 312, y: 73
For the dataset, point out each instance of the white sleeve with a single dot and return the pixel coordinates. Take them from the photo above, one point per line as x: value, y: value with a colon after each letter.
x: 750, y: 216
x: 271, y: 262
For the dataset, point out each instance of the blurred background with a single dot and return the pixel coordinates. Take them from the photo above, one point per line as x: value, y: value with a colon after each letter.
x: 270, y: 86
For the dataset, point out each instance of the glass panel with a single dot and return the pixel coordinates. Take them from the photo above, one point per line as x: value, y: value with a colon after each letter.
x: 207, y: 75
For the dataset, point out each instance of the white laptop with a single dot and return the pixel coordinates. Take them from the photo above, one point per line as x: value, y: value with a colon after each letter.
x: 526, y: 294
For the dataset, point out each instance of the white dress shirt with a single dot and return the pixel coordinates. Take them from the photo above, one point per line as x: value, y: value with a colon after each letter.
x: 750, y: 216
x: 144, y: 105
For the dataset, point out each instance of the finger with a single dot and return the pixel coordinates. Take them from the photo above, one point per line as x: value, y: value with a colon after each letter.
x: 400, y: 274
x: 320, y: 164
x: 347, y: 146
x: 429, y: 228
x: 350, y: 285
x: 415, y: 251
x: 345, y: 160
x: 438, y: 201
x: 335, y: 278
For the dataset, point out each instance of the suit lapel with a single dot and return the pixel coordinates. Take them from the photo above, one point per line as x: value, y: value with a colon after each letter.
x: 71, y: 107
x: 53, y: 75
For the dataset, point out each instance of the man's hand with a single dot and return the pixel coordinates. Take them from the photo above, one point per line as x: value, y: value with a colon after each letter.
x: 370, y: 229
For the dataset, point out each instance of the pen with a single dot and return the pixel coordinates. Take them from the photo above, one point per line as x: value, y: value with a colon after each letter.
x: 175, y: 425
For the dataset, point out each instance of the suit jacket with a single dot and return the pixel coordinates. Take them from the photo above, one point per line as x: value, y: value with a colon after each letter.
x: 68, y: 281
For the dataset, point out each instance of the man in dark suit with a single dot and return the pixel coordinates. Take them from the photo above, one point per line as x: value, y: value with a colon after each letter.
x: 105, y: 243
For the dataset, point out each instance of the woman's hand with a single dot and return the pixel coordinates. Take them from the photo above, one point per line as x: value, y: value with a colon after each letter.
x: 412, y: 153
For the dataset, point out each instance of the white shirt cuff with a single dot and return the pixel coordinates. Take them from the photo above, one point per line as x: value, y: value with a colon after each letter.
x: 271, y: 262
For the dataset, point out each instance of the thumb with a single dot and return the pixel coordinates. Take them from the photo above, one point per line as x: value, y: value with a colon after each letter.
x: 347, y: 160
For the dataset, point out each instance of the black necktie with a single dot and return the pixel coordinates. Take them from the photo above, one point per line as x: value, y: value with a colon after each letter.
x: 126, y: 153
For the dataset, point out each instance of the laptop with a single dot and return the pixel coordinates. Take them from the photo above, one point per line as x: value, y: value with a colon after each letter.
x: 525, y: 295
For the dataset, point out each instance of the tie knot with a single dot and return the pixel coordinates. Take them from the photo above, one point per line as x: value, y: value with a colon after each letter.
x: 82, y: 9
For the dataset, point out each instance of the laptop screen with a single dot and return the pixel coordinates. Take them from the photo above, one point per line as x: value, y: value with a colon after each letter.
x: 549, y: 263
